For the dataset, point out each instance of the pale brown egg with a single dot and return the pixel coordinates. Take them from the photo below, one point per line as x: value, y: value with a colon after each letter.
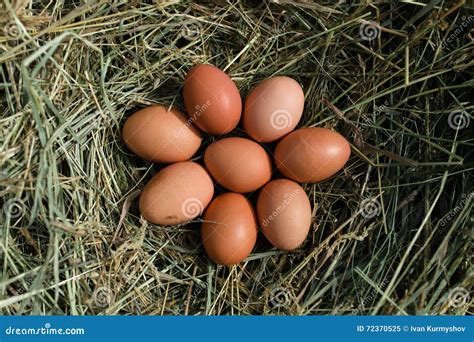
x: 178, y: 193
x: 273, y: 108
x: 238, y: 164
x: 311, y: 155
x: 229, y: 230
x: 161, y: 135
x: 212, y: 99
x: 284, y: 213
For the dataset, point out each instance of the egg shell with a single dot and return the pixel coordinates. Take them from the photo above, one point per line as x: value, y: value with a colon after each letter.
x: 238, y: 164
x: 161, y: 135
x: 229, y: 230
x: 212, y: 99
x: 311, y: 155
x: 284, y: 213
x: 178, y: 193
x: 273, y: 109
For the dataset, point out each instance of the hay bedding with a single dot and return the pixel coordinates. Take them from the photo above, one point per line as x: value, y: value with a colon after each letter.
x: 392, y: 232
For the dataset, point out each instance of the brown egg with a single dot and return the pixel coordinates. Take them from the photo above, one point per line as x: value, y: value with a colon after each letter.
x: 176, y: 194
x: 161, y: 135
x: 238, y: 164
x: 284, y: 213
x: 212, y: 99
x: 273, y: 108
x: 310, y: 155
x: 229, y: 230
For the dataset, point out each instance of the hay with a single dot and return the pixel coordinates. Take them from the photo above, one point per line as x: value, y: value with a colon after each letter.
x: 392, y: 232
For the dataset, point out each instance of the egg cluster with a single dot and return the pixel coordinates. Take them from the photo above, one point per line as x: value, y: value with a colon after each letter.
x: 184, y: 190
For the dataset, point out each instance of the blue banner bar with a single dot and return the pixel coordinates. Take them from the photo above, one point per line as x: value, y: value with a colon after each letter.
x: 259, y: 328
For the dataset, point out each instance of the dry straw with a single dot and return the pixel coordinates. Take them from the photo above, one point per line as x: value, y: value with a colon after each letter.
x: 72, y: 71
